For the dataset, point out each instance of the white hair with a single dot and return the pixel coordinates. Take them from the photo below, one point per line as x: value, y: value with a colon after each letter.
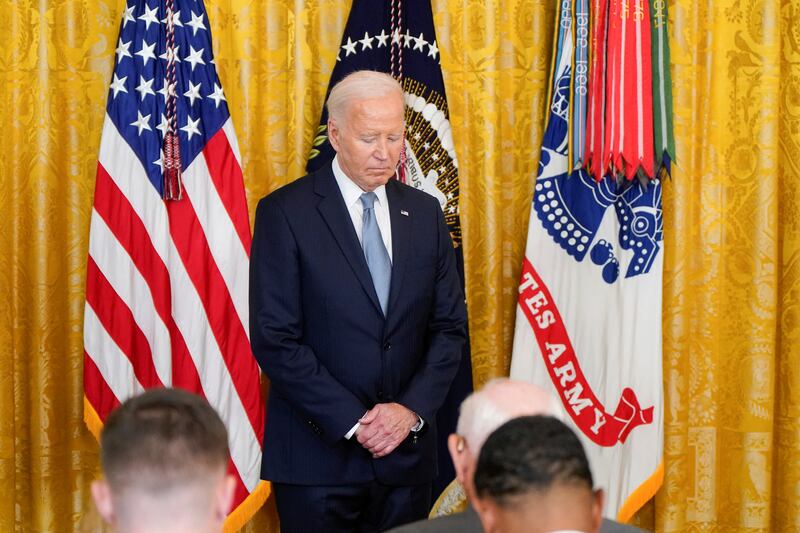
x: 499, y: 401
x: 361, y: 84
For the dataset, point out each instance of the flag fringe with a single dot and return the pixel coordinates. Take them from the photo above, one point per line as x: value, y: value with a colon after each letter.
x: 91, y: 418
x: 245, y: 511
x: 642, y: 494
x: 237, y: 519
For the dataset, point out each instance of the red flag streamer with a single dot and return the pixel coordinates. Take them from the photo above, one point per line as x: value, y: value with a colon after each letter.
x: 613, y: 87
x: 597, y: 100
x: 637, y: 106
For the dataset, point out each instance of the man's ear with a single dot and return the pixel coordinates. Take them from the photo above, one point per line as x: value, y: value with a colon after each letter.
x: 598, y: 499
x: 103, y: 500
x: 223, y: 498
x: 457, y: 448
x: 333, y: 133
x: 487, y: 512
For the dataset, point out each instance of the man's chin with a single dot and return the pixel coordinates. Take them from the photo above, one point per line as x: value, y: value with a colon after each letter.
x: 381, y: 178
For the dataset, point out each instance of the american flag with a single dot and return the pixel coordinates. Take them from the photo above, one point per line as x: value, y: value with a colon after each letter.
x: 167, y: 280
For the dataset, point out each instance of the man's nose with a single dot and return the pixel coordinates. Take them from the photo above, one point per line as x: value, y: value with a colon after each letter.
x: 381, y: 149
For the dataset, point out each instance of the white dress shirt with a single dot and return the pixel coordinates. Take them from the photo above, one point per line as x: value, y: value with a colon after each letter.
x: 352, y: 199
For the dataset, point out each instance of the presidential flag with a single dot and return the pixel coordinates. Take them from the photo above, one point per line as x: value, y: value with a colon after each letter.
x: 169, y: 242
x: 398, y: 37
x: 588, y: 322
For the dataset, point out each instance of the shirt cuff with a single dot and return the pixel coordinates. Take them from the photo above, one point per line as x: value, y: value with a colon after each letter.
x: 352, y: 431
x: 418, y: 426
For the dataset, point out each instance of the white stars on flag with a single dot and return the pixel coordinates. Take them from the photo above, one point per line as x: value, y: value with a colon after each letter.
x: 142, y: 122
x: 149, y: 16
x: 128, y: 16
x: 193, y: 93
x: 195, y: 57
x: 198, y: 96
x: 146, y: 53
x: 163, y: 127
x: 122, y: 49
x: 217, y: 95
x: 366, y: 42
x: 421, y: 42
x: 191, y: 127
x: 433, y: 50
x: 144, y: 88
x: 196, y: 23
x: 350, y: 47
x: 382, y: 38
x: 118, y: 85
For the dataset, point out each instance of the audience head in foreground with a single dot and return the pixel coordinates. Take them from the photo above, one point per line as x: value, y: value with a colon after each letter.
x: 533, y: 476
x: 165, y: 456
x: 484, y: 411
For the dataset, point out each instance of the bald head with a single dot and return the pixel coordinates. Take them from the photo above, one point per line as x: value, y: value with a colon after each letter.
x: 484, y: 411
x: 499, y: 401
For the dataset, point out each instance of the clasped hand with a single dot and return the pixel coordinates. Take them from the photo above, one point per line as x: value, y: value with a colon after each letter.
x: 384, y: 427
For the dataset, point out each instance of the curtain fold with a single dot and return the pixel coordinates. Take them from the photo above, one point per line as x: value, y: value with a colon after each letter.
x: 732, y: 225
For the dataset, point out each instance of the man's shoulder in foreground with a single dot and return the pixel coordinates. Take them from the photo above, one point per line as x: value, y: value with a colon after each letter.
x: 468, y: 522
x: 609, y: 526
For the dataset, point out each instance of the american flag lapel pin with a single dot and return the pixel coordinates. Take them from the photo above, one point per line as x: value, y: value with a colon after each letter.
x: 404, y: 212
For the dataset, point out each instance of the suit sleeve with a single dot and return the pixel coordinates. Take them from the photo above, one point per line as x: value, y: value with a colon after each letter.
x: 446, y: 334
x: 276, y: 330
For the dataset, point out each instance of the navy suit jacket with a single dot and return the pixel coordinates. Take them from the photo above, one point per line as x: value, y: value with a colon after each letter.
x: 318, y: 332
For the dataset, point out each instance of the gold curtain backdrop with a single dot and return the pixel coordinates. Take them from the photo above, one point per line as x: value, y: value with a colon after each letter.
x: 732, y: 225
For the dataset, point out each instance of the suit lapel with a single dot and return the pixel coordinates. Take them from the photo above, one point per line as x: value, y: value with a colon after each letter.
x: 336, y: 216
x: 400, y: 215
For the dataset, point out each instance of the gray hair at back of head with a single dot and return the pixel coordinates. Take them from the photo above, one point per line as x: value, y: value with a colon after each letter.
x: 496, y: 403
x: 358, y: 85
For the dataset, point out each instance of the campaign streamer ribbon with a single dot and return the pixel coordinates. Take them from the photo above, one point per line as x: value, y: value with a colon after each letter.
x: 597, y: 84
x: 636, y: 140
x: 662, y: 88
x: 580, y: 69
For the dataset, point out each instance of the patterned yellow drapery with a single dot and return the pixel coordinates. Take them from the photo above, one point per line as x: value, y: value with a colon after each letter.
x: 732, y: 225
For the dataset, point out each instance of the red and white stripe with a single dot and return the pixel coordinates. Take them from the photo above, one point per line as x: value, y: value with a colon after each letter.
x: 167, y: 291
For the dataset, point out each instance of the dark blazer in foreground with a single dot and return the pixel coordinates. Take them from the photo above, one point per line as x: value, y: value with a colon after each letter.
x: 318, y: 332
x: 468, y: 522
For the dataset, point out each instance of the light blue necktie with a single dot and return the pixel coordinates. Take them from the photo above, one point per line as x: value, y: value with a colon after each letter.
x: 380, y: 267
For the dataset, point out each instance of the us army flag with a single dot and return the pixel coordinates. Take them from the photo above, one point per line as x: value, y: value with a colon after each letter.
x: 588, y: 324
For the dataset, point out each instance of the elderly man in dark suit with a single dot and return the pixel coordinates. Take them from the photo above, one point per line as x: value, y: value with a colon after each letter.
x: 481, y: 414
x: 358, y: 319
